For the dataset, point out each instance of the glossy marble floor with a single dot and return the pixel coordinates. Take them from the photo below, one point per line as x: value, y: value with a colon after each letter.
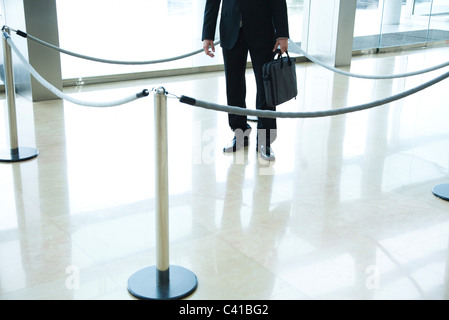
x: 345, y: 212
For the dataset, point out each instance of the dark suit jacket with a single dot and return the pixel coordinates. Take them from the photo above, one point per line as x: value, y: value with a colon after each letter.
x: 263, y: 21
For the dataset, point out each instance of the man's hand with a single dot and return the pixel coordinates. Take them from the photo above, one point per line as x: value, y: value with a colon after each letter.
x: 282, y: 43
x: 209, y: 48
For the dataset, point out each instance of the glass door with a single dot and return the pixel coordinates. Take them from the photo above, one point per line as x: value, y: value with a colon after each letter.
x: 439, y: 22
x: 400, y: 28
x: 400, y: 23
x: 368, y: 24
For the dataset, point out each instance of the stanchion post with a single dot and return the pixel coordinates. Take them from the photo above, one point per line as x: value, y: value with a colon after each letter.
x: 161, y: 167
x: 162, y: 281
x: 15, y: 153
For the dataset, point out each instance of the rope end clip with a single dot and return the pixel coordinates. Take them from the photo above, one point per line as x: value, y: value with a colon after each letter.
x: 144, y: 93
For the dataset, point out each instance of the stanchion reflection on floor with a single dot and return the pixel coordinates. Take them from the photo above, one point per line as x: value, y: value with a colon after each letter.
x: 162, y: 281
x: 15, y: 153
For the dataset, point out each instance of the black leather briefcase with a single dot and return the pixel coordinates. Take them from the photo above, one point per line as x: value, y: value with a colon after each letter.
x: 279, y: 78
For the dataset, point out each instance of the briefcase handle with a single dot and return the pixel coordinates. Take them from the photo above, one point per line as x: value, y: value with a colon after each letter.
x: 279, y: 54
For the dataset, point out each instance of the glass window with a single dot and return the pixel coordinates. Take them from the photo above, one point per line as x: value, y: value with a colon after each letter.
x: 146, y: 30
x: 138, y: 30
x: 295, y: 19
x: 133, y: 30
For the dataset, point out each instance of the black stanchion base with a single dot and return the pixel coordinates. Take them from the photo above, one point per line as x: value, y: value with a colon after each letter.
x: 441, y: 191
x: 19, y: 154
x: 143, y: 284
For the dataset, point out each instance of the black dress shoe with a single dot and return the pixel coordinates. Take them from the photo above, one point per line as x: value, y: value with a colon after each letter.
x: 236, y: 144
x: 265, y: 152
x: 239, y: 143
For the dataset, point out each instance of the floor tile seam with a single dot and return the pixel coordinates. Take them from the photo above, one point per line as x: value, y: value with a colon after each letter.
x: 434, y: 204
x: 96, y: 262
x: 362, y: 268
x: 93, y: 261
x: 266, y: 269
x: 406, y: 271
x: 428, y: 269
x: 63, y: 279
x: 360, y: 264
x: 389, y: 254
x: 30, y: 200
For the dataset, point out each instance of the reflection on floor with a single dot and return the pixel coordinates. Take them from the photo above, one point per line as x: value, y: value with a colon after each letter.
x: 345, y: 211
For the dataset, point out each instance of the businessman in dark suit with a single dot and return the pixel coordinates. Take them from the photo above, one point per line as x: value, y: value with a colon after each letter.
x: 258, y: 27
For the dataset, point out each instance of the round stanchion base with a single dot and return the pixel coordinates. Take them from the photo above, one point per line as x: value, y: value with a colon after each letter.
x: 19, y: 154
x: 143, y: 284
x: 441, y: 191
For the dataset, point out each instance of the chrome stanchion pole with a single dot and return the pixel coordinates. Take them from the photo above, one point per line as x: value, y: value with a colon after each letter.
x: 15, y: 153
x: 161, y: 167
x: 162, y: 281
